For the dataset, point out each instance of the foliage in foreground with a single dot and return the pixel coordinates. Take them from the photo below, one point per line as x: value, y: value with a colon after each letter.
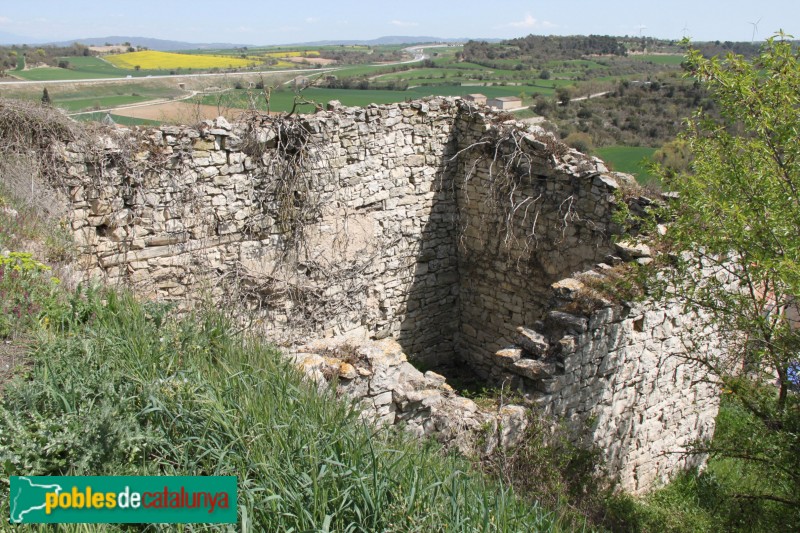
x: 736, y: 251
x: 25, y: 286
x: 119, y: 389
x: 738, y: 217
x: 716, y: 499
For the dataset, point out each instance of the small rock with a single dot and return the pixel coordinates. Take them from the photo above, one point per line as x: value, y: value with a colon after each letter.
x: 626, y: 180
x: 630, y: 250
x: 508, y: 356
x: 567, y: 321
x: 532, y: 341
x: 566, y: 287
x: 347, y: 371
x: 533, y: 369
x: 608, y: 181
x: 513, y: 421
x: 567, y: 345
x: 436, y: 378
x: 534, y: 142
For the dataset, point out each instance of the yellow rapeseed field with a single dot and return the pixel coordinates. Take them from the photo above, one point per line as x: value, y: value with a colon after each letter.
x: 151, y: 59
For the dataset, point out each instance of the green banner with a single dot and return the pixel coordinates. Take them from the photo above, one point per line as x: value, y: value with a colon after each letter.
x: 122, y: 499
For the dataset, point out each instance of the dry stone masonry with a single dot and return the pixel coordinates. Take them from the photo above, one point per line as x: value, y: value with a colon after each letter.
x: 433, y: 225
x: 621, y: 372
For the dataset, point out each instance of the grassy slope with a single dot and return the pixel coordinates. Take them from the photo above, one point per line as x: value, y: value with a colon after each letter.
x: 116, y: 387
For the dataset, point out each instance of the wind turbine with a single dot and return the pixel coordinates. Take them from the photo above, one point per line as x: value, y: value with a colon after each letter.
x: 642, y: 27
x: 685, y: 29
x: 755, y: 29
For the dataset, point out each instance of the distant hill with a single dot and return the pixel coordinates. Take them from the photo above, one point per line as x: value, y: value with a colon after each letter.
x: 153, y: 44
x: 393, y: 39
x: 10, y: 38
x: 167, y: 45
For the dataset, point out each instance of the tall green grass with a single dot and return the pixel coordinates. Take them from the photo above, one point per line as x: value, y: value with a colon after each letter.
x: 118, y: 388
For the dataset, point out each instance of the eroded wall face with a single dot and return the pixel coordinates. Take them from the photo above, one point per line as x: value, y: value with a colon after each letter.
x: 527, y: 218
x: 631, y: 384
x: 202, y: 213
x: 624, y: 379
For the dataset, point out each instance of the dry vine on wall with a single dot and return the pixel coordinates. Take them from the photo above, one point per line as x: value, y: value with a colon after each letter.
x: 308, y: 282
x: 511, y: 206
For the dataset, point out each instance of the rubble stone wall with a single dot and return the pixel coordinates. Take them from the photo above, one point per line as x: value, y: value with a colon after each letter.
x: 432, y: 223
x: 621, y: 374
x: 199, y: 216
x: 528, y: 218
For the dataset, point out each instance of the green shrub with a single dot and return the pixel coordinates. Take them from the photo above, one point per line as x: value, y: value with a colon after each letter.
x: 581, y: 141
x: 27, y: 291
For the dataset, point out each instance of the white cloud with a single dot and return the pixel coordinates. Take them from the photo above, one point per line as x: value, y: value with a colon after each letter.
x: 529, y: 22
x: 312, y: 20
x: 403, y: 24
x: 5, y: 20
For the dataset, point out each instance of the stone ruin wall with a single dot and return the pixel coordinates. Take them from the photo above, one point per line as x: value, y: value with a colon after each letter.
x: 434, y: 224
x: 199, y: 219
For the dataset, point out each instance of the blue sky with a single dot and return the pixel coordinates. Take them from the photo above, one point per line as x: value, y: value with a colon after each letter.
x: 269, y: 22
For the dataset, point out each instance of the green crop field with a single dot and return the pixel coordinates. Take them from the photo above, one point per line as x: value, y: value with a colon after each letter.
x: 83, y: 68
x: 54, y: 73
x: 283, y: 100
x: 99, y: 96
x: 80, y: 104
x: 94, y: 65
x: 489, y: 91
x: 660, y: 59
x: 629, y: 159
